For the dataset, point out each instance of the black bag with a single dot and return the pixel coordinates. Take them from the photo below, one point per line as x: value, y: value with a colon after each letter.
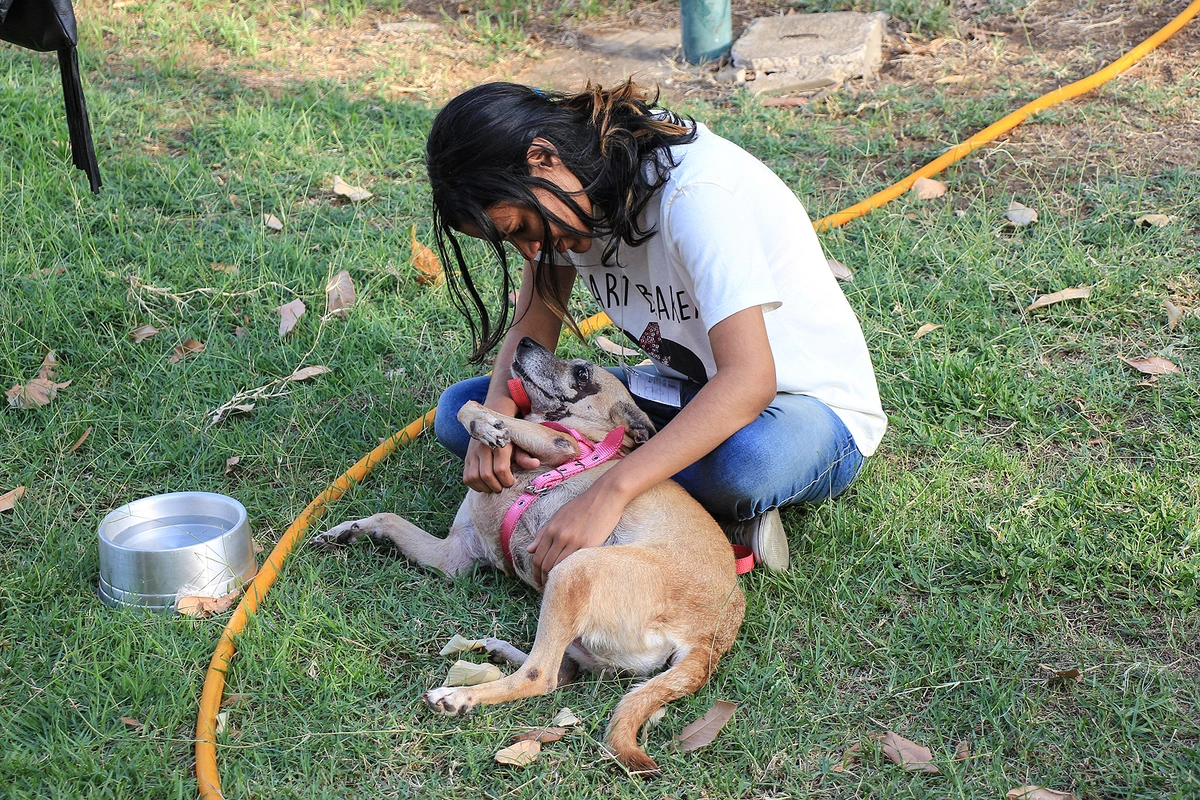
x: 46, y: 25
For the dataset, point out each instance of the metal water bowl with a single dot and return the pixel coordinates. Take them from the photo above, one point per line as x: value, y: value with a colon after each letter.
x: 155, y: 550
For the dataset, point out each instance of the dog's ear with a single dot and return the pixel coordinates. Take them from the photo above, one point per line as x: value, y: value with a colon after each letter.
x: 637, y: 425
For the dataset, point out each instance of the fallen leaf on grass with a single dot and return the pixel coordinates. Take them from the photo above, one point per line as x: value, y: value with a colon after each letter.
x: 204, y: 606
x: 236, y: 700
x: 1152, y: 366
x: 840, y: 270
x: 231, y: 462
x: 609, y: 346
x: 273, y: 222
x: 1019, y: 215
x: 1074, y: 293
x: 1037, y: 793
x: 429, y: 268
x: 221, y: 723
x: 10, y: 498
x: 849, y: 759
x: 219, y: 266
x: 565, y: 718
x: 143, y: 333
x: 542, y: 735
x: 1174, y: 314
x: 460, y: 644
x: 130, y: 722
x: 786, y: 102
x: 1057, y: 675
x: 239, y: 332
x: 354, y: 194
x: 466, y: 673
x: 38, y: 392
x: 304, y: 373
x: 190, y: 347
x: 951, y: 79
x: 925, y: 329
x: 289, y: 314
x: 928, y: 189
x: 963, y: 751
x: 908, y: 754
x: 81, y: 439
x: 1154, y: 220
x: 521, y: 754
x: 339, y: 295
x: 49, y: 362
x: 705, y: 729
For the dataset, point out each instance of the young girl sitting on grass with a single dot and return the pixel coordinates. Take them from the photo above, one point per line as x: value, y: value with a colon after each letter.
x: 761, y: 389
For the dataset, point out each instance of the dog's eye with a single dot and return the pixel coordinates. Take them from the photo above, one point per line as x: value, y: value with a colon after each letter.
x: 580, y: 374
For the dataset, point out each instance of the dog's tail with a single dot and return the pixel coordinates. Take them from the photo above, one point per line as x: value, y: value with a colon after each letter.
x: 689, y: 672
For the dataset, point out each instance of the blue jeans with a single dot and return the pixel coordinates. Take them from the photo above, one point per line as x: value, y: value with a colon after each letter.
x: 797, y: 451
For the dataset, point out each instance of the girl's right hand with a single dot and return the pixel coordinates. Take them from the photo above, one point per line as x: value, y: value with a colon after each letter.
x: 490, y: 471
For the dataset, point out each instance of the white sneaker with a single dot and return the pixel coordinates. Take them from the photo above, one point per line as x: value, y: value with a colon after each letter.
x: 765, y: 536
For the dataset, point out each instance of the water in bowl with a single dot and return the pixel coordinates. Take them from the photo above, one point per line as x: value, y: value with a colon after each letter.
x: 171, y: 533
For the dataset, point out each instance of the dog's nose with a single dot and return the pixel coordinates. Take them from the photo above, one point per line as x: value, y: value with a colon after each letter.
x: 526, y: 343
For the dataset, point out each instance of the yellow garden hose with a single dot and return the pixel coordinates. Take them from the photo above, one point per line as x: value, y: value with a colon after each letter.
x: 214, y: 681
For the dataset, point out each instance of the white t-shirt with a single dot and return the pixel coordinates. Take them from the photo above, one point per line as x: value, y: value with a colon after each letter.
x: 731, y: 235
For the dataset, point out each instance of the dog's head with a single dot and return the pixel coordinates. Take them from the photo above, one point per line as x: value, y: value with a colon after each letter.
x: 578, y: 394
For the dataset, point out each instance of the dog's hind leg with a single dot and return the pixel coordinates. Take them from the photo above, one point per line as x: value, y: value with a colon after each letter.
x: 452, y: 555
x: 567, y: 593
x: 688, y: 674
x: 501, y: 652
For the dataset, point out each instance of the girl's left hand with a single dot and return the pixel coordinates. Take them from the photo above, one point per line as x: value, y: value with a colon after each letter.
x: 586, y: 521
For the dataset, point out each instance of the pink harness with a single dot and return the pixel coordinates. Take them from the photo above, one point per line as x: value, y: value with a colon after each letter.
x: 591, y: 455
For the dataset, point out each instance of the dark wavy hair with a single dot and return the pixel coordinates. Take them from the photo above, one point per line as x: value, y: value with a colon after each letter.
x: 614, y: 141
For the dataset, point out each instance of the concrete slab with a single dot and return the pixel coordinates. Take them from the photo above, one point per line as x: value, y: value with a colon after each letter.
x: 808, y: 51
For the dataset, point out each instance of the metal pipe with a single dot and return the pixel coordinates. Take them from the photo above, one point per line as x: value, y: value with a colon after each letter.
x: 707, y: 29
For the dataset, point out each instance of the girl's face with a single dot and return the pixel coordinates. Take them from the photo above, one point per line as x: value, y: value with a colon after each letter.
x: 523, y: 226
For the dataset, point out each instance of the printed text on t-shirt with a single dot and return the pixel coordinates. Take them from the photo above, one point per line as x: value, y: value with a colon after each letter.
x: 665, y: 303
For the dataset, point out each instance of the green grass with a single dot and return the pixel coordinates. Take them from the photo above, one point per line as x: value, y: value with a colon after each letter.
x: 1031, y: 505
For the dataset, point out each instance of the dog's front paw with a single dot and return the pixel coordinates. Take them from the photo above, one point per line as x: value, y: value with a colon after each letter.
x: 452, y: 700
x: 348, y: 532
x: 490, y: 430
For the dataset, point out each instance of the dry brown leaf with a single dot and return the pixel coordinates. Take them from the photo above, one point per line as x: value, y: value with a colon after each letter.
x: 273, y: 222
x: 429, y: 268
x: 1074, y: 293
x: 220, y: 266
x: 1152, y: 366
x: 289, y: 313
x: 236, y: 700
x: 81, y: 439
x: 908, y: 754
x: 1154, y: 220
x: 849, y: 759
x: 609, y: 346
x: 304, y: 373
x: 543, y: 735
x: 130, y: 722
x: 48, y: 364
x: 951, y: 79
x: 840, y: 270
x: 38, y: 392
x: 1019, y: 215
x: 925, y: 329
x: 705, y: 729
x: 239, y: 332
x: 928, y: 189
x: 1071, y: 673
x: 787, y: 102
x: 190, y: 347
x: 339, y: 295
x: 232, y: 462
x: 143, y: 333
x: 221, y: 723
x: 963, y: 751
x: 194, y: 606
x: 10, y: 498
x: 354, y: 194
x: 521, y: 754
x: 1037, y: 793
x: 1174, y: 314
x: 467, y: 673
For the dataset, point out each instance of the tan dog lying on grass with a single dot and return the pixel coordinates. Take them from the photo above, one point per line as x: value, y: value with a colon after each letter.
x: 662, y: 591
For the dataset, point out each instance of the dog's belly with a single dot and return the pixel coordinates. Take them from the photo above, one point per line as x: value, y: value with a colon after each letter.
x: 640, y: 654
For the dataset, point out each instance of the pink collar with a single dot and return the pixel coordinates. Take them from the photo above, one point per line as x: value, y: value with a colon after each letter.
x: 591, y: 455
